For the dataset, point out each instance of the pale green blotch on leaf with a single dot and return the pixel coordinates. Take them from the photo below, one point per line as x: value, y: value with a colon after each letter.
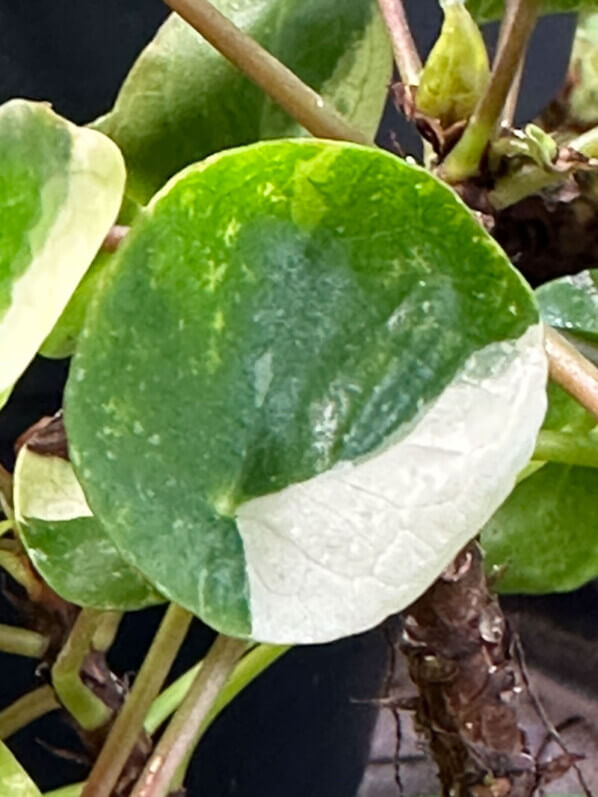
x: 183, y: 101
x: 60, y: 190
x: 66, y: 544
x: 310, y: 380
x: 14, y: 781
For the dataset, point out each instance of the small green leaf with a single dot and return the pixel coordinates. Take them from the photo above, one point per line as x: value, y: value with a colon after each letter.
x: 310, y: 379
x: 489, y: 10
x: 571, y: 304
x: 14, y: 781
x: 183, y: 100
x: 66, y: 544
x: 60, y: 190
x: 546, y: 533
x: 457, y: 70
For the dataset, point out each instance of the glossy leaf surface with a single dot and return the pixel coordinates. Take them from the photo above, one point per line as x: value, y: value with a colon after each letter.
x: 14, y: 781
x: 66, y: 544
x: 571, y: 304
x: 307, y: 357
x: 183, y: 101
x: 545, y: 534
x: 489, y: 10
x: 60, y: 190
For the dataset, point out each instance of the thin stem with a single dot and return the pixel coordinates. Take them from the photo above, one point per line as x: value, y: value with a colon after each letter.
x: 22, y: 642
x: 283, y: 86
x: 89, y: 711
x: 179, y: 735
x: 524, y: 182
x: 251, y: 665
x: 26, y: 709
x: 129, y: 722
x: 247, y: 670
x: 6, y: 526
x: 508, y: 113
x: 14, y: 560
x: 463, y: 161
x: 572, y: 371
x: 106, y: 631
x: 566, y: 449
x: 5, y: 491
x: 406, y: 55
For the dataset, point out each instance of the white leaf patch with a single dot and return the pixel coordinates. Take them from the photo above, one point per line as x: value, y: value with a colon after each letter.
x: 338, y: 553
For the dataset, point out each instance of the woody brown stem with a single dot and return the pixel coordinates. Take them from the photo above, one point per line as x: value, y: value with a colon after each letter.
x: 471, y: 686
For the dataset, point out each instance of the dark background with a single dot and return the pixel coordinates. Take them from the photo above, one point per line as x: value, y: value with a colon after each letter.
x: 302, y: 730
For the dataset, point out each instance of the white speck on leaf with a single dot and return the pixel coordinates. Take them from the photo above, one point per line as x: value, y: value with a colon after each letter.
x: 262, y: 377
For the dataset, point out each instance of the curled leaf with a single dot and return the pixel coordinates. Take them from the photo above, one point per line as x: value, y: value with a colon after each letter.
x: 457, y: 70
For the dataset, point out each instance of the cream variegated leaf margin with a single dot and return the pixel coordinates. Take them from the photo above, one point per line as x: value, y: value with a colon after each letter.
x: 61, y: 187
x: 381, y: 530
x: 66, y: 543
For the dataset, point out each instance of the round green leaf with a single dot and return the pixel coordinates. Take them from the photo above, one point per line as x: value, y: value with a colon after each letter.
x: 309, y: 380
x: 60, y: 190
x: 571, y: 304
x: 66, y: 544
x: 183, y: 100
x: 545, y: 535
x: 14, y: 781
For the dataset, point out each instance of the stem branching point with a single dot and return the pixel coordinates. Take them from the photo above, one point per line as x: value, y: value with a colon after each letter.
x: 464, y: 160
